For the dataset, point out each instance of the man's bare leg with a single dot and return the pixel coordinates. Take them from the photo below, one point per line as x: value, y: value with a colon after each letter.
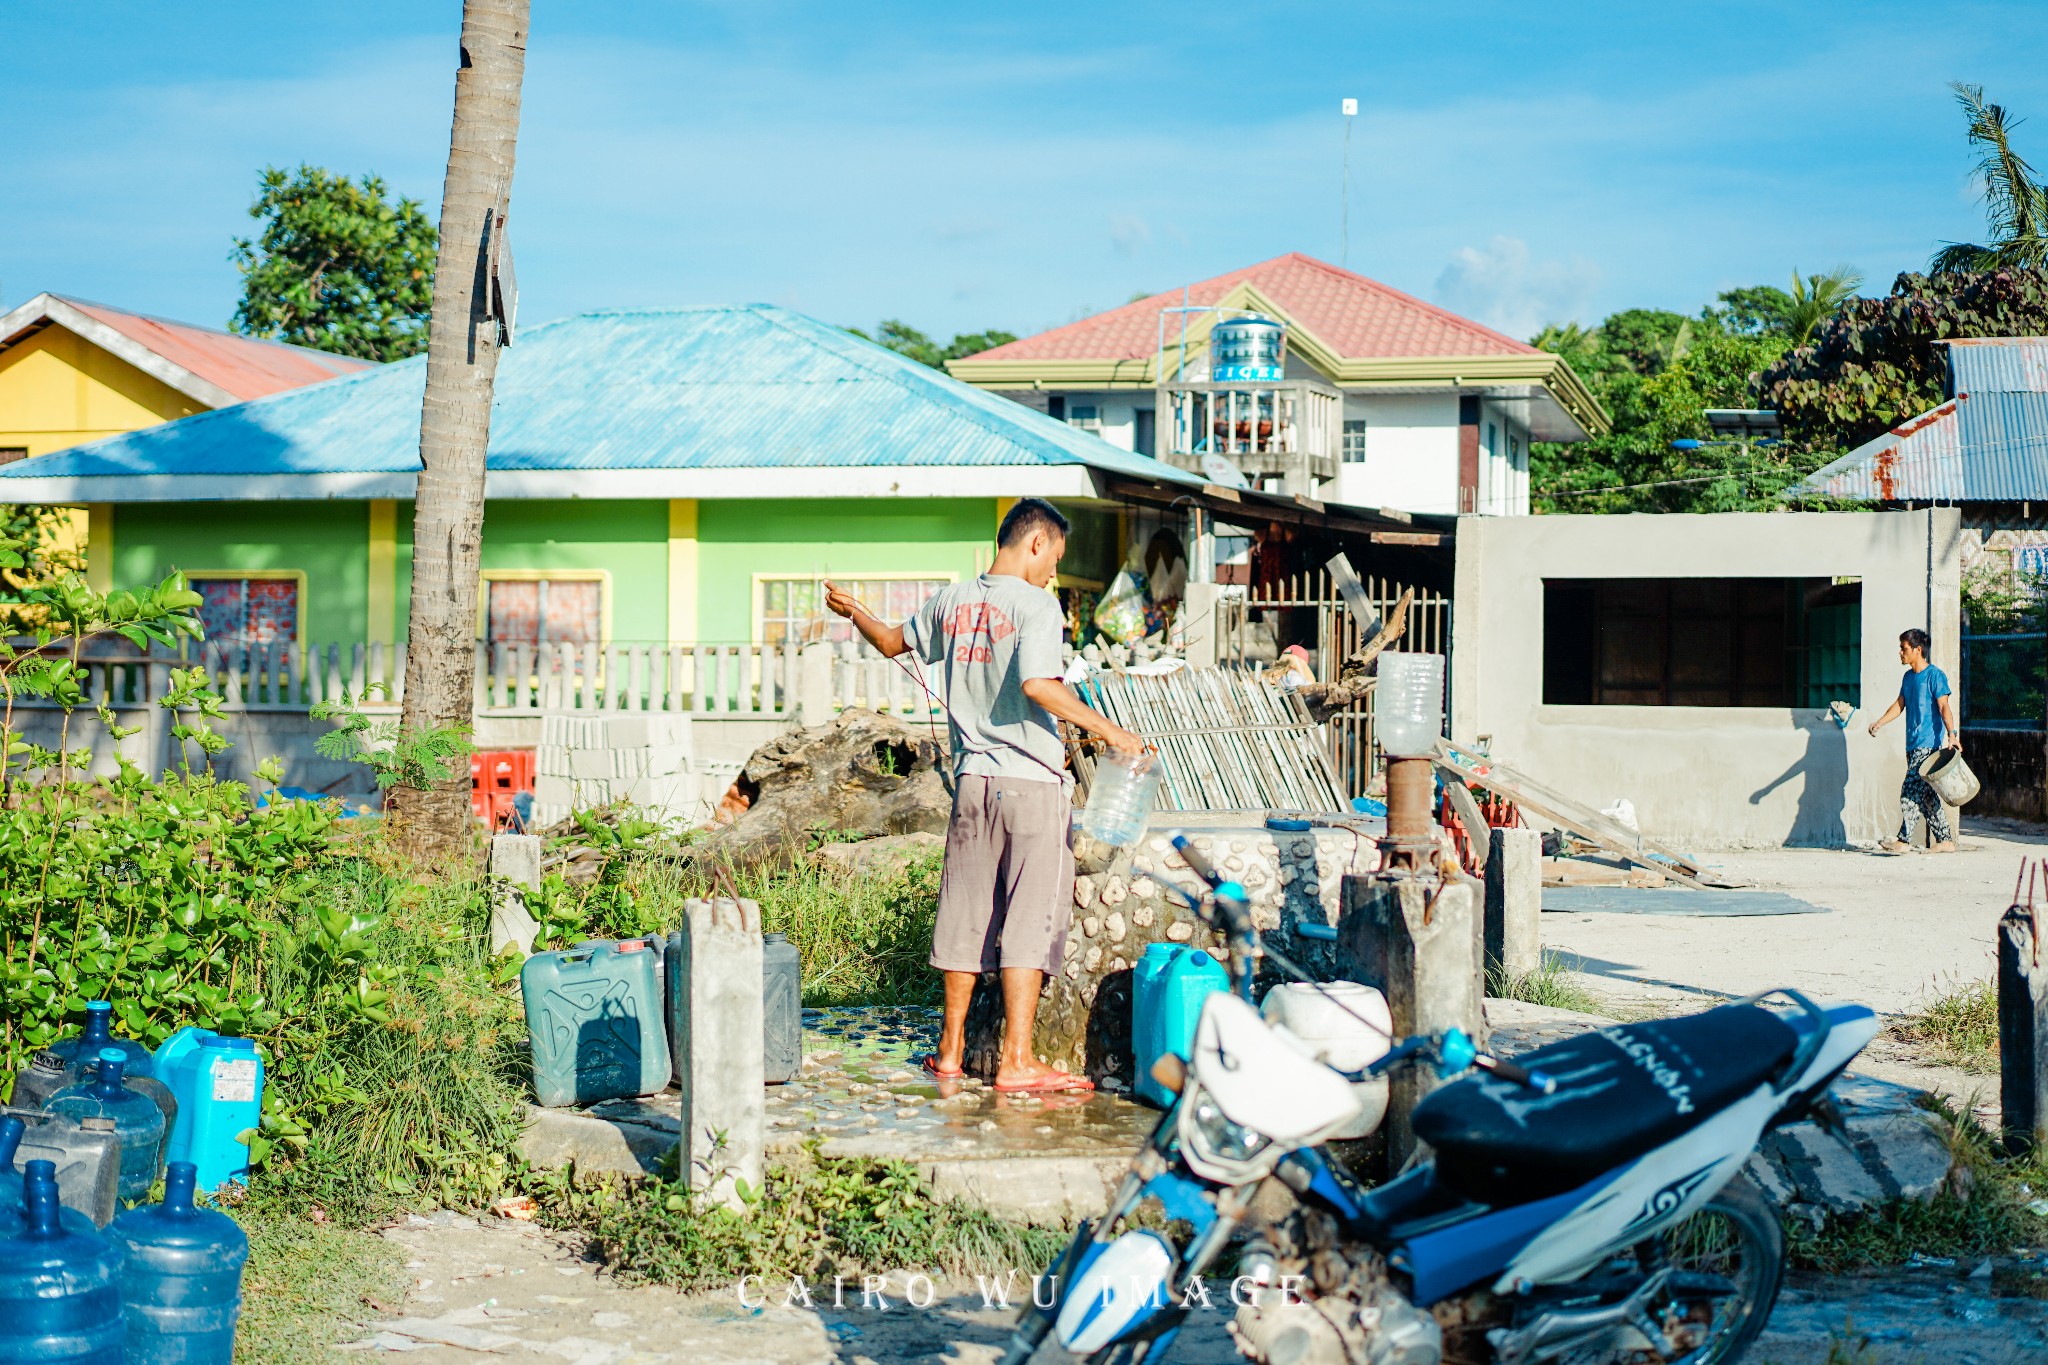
x: 953, y: 1027
x: 1018, y: 1065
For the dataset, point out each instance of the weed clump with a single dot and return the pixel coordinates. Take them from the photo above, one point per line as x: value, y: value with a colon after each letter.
x: 1550, y: 984
x: 1959, y: 1026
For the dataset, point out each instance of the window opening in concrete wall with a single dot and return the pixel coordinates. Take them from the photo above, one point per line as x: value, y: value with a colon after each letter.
x: 9, y: 454
x: 544, y: 611
x: 248, y: 610
x: 1086, y: 416
x: 1779, y: 642
x: 793, y: 608
x: 1354, y: 441
x: 1144, y: 431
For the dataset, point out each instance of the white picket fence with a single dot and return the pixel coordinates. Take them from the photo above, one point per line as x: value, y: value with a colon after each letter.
x: 732, y: 680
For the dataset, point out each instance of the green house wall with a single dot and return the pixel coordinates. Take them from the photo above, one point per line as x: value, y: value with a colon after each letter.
x: 326, y: 541
x: 741, y: 538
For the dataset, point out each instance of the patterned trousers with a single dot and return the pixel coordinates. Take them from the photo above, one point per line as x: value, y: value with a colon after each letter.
x: 1916, y: 799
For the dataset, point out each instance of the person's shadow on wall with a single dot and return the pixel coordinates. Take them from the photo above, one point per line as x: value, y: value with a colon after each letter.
x: 1825, y: 766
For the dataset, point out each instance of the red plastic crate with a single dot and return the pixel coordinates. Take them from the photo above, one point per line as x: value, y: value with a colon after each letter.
x: 495, y: 777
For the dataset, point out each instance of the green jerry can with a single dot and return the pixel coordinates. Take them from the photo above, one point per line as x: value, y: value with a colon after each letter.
x: 594, y: 1013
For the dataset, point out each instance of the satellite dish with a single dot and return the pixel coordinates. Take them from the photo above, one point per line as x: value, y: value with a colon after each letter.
x: 1219, y: 470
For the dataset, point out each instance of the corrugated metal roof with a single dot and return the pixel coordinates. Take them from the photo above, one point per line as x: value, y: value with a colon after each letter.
x: 1987, y: 443
x: 1354, y: 316
x: 247, y: 367
x: 749, y: 386
x: 1998, y: 365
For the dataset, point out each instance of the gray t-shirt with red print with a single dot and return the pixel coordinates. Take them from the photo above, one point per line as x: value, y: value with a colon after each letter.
x: 986, y: 639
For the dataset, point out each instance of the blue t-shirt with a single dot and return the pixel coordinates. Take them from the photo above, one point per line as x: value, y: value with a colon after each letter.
x: 1925, y: 728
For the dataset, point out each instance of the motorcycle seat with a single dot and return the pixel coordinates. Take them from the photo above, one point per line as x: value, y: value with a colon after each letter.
x: 1621, y: 1091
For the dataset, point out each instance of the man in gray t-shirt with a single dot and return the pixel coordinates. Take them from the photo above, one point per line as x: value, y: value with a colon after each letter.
x: 1006, y: 895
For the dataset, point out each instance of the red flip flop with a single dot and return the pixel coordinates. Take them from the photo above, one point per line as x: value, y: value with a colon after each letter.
x: 930, y: 1063
x: 1052, y: 1083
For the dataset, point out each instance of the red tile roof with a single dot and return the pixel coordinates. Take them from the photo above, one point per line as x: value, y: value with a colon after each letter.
x: 1356, y: 317
x: 246, y: 367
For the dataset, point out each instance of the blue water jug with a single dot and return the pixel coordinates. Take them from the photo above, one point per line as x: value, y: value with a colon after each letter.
x: 12, y: 1198
x: 218, y: 1084
x: 60, y: 1283
x: 68, y: 1061
x: 594, y: 1015
x: 1166, y: 1001
x: 181, y: 1277
x: 137, y: 1120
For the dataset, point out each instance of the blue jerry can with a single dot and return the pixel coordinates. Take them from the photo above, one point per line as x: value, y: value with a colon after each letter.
x: 1166, y: 1000
x: 218, y: 1084
x: 594, y: 1014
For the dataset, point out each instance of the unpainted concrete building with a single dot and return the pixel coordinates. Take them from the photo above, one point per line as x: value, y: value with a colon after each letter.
x: 1687, y: 663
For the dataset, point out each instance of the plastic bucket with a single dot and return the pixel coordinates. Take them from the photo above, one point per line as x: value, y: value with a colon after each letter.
x: 1950, y: 777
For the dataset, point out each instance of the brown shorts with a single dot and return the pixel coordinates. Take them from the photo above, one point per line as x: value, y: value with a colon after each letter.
x: 1007, y: 893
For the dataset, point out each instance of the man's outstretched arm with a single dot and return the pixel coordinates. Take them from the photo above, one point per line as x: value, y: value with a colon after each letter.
x: 1058, y: 698
x: 877, y: 632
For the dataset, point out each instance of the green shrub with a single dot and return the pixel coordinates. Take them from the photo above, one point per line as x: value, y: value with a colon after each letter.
x: 815, y: 1218
x: 1550, y: 984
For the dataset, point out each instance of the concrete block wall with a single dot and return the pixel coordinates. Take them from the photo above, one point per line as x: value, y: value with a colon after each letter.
x: 646, y: 759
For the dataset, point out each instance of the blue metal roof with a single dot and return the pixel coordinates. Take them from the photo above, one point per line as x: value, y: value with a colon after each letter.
x: 1987, y: 443
x: 745, y: 386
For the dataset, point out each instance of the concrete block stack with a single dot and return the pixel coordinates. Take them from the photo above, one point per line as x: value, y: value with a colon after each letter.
x: 645, y: 759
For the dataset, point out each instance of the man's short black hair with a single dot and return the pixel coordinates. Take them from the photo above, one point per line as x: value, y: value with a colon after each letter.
x: 1917, y: 638
x: 1031, y: 514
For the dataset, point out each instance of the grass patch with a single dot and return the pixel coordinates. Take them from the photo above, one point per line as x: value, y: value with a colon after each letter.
x: 866, y: 939
x: 1551, y: 984
x: 815, y: 1218
x: 305, y: 1285
x: 1982, y: 1211
x: 1959, y: 1027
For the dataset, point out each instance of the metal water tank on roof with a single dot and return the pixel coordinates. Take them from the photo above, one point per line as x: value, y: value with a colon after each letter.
x: 1250, y: 348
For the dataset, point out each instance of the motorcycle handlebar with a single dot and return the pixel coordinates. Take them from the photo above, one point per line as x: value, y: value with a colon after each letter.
x: 1540, y: 1082
x: 1199, y: 865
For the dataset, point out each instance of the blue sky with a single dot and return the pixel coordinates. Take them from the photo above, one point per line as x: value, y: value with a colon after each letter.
x: 964, y: 168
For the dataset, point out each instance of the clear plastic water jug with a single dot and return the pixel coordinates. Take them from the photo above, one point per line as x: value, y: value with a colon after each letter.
x: 1120, y: 798
x: 181, y: 1277
x: 138, y: 1122
x: 60, y: 1282
x: 1408, y: 704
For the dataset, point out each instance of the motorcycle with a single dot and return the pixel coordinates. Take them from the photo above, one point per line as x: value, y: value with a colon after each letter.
x: 1581, y: 1205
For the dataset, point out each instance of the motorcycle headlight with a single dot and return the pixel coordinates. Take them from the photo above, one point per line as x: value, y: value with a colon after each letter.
x: 1215, y: 1136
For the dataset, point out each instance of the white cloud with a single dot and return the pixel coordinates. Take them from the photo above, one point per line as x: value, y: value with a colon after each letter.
x: 1504, y: 286
x: 1129, y: 233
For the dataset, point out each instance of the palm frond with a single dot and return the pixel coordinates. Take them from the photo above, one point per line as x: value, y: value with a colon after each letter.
x: 1962, y: 258
x: 2012, y: 199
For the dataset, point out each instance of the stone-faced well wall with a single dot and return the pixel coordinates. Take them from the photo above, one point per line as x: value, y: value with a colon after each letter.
x: 1125, y: 901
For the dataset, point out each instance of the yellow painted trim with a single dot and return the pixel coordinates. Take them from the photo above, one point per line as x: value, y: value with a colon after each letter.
x: 99, y: 546
x: 948, y: 576
x: 381, y: 589
x: 682, y: 571
x: 602, y: 576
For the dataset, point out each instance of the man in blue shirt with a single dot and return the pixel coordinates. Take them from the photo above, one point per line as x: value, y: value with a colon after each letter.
x: 1930, y: 710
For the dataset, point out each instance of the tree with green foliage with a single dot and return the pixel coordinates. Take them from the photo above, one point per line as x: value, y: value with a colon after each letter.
x: 2015, y: 203
x: 1879, y: 361
x: 902, y: 338
x: 339, y: 266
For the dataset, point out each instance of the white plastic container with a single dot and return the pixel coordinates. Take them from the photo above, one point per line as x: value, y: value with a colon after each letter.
x: 1120, y: 798
x: 1408, y: 704
x: 1337, y: 1020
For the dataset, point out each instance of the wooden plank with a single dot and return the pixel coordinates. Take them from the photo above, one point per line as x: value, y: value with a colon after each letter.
x: 1504, y: 781
x: 1477, y: 832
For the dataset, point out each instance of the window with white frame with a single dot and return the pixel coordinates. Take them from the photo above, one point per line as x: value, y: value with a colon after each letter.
x: 794, y: 608
x: 1354, y: 441
x: 1086, y: 416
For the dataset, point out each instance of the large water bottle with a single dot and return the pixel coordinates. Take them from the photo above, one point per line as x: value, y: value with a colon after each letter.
x: 68, y: 1061
x: 1408, y: 704
x: 182, y: 1277
x: 138, y: 1122
x: 60, y: 1282
x: 12, y: 1196
x: 1120, y: 798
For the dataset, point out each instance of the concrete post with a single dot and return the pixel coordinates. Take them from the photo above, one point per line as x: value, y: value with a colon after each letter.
x: 719, y: 1047
x: 1199, y: 609
x: 2022, y: 1031
x: 1416, y: 940
x: 515, y: 870
x: 1514, y: 902
x: 814, y: 683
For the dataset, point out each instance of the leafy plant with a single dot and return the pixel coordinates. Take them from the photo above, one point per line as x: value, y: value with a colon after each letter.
x: 396, y: 755
x: 1551, y: 984
x: 338, y: 266
x: 2015, y: 203
x: 1959, y: 1026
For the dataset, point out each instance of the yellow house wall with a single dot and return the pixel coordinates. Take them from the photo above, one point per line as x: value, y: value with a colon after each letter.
x: 58, y: 389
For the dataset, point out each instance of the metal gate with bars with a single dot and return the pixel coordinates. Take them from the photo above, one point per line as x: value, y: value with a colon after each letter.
x: 1305, y: 609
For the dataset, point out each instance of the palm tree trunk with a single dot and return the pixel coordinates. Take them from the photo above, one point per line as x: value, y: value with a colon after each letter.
x: 455, y: 420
